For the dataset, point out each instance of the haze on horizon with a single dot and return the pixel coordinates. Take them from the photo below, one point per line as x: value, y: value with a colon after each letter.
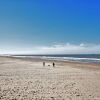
x: 49, y: 27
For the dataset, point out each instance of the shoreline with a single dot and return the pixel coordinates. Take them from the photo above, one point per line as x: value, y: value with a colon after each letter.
x: 76, y: 64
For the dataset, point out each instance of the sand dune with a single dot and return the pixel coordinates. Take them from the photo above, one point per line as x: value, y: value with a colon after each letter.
x: 29, y: 80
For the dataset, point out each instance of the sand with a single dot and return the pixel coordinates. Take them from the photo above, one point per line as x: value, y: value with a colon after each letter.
x: 22, y: 79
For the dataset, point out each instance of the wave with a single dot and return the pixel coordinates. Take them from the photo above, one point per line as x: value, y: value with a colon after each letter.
x: 71, y: 58
x: 84, y: 60
x: 76, y: 59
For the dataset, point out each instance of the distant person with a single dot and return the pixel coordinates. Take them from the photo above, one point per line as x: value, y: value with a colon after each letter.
x: 53, y: 64
x: 43, y: 63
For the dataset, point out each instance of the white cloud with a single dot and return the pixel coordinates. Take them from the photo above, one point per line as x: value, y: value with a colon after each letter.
x: 58, y: 49
x: 69, y: 49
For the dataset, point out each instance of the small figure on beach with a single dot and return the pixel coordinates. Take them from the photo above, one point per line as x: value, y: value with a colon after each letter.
x: 53, y: 64
x: 43, y: 63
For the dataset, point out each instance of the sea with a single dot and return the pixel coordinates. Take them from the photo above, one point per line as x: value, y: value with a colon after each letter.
x: 83, y: 58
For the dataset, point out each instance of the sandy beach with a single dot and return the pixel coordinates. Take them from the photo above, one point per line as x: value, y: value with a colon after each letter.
x: 25, y: 79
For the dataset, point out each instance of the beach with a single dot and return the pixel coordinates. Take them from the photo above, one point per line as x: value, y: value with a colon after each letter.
x: 28, y: 79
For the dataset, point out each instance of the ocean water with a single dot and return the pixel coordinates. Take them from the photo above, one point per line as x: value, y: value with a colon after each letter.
x: 84, y: 58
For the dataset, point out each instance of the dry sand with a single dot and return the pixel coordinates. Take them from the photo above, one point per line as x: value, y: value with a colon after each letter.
x: 29, y: 80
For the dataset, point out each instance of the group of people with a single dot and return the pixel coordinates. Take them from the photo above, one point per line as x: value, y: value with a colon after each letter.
x: 53, y: 64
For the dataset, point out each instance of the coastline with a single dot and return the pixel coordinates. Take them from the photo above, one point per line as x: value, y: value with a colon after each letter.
x: 28, y: 79
x: 59, y: 62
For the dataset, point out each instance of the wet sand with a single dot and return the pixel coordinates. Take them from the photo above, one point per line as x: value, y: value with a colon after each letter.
x: 27, y: 79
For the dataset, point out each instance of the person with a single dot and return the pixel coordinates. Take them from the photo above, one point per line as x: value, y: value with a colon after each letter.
x: 53, y: 64
x: 43, y: 63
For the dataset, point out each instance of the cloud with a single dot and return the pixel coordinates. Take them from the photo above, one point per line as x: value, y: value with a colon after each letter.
x: 69, y: 49
x: 58, y: 49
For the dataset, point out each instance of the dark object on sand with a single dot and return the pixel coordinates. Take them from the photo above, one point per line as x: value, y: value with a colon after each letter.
x: 53, y: 64
x: 43, y: 63
x: 48, y: 65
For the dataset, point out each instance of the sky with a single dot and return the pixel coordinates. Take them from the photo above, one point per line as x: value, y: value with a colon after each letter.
x: 49, y: 26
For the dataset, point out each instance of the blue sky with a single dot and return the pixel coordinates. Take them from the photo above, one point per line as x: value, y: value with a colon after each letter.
x: 25, y: 24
